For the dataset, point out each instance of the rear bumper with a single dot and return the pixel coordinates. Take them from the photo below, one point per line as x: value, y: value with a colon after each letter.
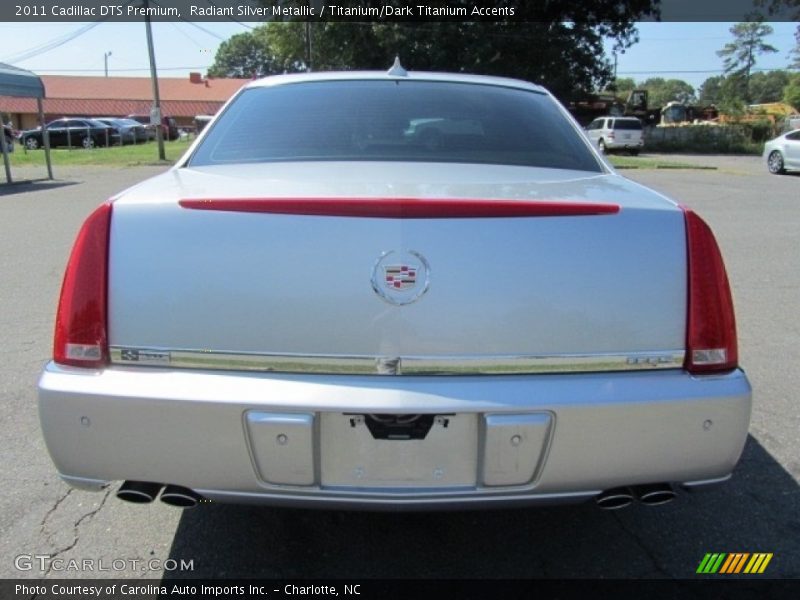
x: 632, y: 145
x: 299, y: 440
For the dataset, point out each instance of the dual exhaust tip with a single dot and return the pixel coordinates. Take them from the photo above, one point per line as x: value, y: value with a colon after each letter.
x: 144, y: 492
x: 651, y: 495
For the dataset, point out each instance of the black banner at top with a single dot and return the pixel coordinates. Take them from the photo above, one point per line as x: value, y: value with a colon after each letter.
x: 395, y: 10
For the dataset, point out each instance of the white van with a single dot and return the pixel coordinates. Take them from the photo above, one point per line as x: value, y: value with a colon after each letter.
x: 616, y: 133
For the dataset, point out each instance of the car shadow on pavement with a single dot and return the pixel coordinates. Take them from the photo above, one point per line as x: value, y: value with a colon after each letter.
x: 32, y: 185
x: 757, y: 511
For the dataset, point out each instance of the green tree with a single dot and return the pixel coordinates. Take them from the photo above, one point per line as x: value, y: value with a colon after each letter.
x: 788, y: 10
x: 334, y: 45
x: 661, y: 91
x: 732, y: 95
x: 768, y: 86
x: 740, y: 54
x: 791, y: 93
x: 622, y: 86
x: 794, y: 54
x: 711, y: 90
x: 559, y: 45
x: 247, y: 55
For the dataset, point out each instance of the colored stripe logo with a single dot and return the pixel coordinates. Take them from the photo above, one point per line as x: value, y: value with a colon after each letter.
x: 734, y: 563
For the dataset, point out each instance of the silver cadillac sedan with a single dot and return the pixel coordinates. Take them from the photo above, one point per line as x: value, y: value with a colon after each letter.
x: 393, y: 291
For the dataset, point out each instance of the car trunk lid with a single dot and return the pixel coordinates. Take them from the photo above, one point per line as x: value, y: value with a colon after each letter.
x: 260, y: 266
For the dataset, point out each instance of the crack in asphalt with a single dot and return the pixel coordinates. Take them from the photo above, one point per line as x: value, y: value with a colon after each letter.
x: 75, y: 528
x: 647, y: 552
x: 53, y: 509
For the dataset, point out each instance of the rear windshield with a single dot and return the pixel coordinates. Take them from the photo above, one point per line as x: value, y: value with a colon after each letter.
x: 394, y: 121
x: 627, y: 124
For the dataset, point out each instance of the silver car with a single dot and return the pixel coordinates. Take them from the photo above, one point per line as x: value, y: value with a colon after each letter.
x: 315, y: 308
x: 610, y: 134
x: 130, y: 131
x: 783, y: 153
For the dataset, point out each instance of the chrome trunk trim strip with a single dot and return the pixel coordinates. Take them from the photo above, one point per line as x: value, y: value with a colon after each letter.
x: 395, y: 365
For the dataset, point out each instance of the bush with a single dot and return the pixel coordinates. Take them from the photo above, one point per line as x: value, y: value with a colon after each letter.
x: 759, y: 131
x: 706, y: 139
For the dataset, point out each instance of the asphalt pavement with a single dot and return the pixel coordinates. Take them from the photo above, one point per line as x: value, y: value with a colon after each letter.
x: 756, y: 217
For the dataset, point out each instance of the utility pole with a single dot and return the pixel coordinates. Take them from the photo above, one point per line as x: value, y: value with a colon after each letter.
x: 308, y: 45
x: 105, y: 61
x: 615, y: 66
x: 155, y: 112
x: 314, y: 6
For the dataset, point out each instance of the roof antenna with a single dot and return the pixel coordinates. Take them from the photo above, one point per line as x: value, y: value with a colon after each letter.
x: 397, y: 69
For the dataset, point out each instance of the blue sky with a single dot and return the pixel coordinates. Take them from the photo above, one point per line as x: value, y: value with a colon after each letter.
x: 688, y: 51
x: 670, y: 50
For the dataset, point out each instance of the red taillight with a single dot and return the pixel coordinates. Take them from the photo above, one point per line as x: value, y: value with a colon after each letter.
x: 711, y: 326
x: 80, y: 337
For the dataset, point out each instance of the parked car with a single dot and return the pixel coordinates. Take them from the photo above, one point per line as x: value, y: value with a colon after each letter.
x: 87, y: 133
x: 315, y: 308
x: 169, y: 126
x: 130, y: 131
x: 616, y: 133
x: 783, y: 153
x: 200, y: 122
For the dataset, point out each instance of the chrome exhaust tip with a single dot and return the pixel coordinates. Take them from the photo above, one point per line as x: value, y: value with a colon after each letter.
x: 138, y: 492
x: 655, y: 494
x: 181, y: 497
x: 615, y: 498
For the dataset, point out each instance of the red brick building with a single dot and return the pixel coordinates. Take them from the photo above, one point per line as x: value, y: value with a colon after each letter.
x: 70, y: 96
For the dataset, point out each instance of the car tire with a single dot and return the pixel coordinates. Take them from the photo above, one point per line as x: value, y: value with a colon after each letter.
x: 775, y: 163
x: 634, y: 153
x: 31, y: 143
x: 87, y: 142
x: 601, y: 145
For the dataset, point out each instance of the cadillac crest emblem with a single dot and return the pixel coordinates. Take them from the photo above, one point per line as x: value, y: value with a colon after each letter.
x: 400, y: 277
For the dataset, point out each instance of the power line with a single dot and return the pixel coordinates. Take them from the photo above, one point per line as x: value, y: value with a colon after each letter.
x: 695, y: 71
x: 51, y: 45
x: 57, y: 42
x: 122, y: 70
x: 203, y: 29
x: 186, y: 35
x: 195, y: 25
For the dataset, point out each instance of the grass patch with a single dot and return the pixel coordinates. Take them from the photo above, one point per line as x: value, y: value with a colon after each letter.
x: 147, y: 154
x: 644, y: 162
x: 117, y: 156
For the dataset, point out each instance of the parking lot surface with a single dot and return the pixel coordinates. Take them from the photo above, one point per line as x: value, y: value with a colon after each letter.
x: 756, y: 217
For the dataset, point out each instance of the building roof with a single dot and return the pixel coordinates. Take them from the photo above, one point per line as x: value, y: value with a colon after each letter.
x: 20, y: 83
x: 185, y: 97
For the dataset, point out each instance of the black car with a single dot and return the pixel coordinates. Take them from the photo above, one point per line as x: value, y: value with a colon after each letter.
x: 87, y: 133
